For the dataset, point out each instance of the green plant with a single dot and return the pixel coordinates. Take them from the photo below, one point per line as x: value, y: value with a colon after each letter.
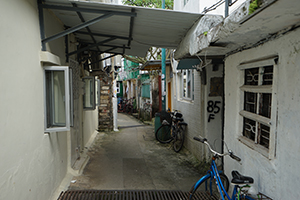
x: 254, y: 5
x: 150, y: 3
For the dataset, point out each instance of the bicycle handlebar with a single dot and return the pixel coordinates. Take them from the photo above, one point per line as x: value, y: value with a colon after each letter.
x: 200, y: 140
x: 230, y: 153
x: 234, y: 157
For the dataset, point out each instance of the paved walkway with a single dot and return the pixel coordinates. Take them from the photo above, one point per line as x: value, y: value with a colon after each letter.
x: 132, y: 159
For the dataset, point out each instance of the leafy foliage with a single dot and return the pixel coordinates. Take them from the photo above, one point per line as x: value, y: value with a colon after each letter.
x: 149, y: 3
x: 254, y: 5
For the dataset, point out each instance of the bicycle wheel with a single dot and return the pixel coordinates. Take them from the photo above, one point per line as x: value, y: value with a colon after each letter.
x: 163, y: 134
x: 204, y: 186
x: 178, y: 139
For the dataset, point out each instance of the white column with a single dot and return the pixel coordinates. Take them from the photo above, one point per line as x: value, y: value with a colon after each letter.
x: 115, y: 106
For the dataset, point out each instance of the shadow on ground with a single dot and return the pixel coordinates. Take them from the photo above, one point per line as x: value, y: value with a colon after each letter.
x: 132, y: 159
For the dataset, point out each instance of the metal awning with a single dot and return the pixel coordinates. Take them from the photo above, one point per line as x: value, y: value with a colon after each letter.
x: 188, y: 63
x: 118, y: 29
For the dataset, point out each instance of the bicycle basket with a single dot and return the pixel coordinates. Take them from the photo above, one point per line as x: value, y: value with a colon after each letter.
x: 164, y: 115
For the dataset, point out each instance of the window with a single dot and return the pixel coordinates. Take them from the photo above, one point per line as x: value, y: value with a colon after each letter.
x: 97, y: 89
x: 89, y: 93
x: 258, y: 112
x: 118, y: 87
x: 188, y: 84
x: 145, y: 91
x: 91, y: 97
x: 57, y: 98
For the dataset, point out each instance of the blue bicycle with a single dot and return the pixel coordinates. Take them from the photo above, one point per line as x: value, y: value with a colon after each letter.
x: 218, y: 178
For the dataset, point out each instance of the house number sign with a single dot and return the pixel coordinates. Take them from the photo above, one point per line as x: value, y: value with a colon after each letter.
x: 213, y: 108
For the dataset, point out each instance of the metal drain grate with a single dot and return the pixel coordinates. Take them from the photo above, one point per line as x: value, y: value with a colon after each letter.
x: 130, y: 195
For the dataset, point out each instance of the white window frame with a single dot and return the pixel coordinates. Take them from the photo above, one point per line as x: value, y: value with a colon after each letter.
x: 97, y: 92
x: 71, y: 97
x: 272, y: 121
x: 54, y: 128
x: 191, y: 72
x: 89, y: 95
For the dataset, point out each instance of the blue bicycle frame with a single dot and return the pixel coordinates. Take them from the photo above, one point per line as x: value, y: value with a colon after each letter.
x: 211, y: 174
x: 214, y: 175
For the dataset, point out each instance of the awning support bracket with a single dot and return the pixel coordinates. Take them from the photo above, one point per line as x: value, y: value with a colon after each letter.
x: 91, y: 46
x: 104, y: 35
x: 103, y: 59
x: 85, y: 24
x: 99, y: 53
x: 87, y: 28
x: 75, y: 28
x: 131, y: 27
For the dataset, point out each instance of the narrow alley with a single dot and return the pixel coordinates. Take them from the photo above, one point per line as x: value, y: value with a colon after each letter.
x: 132, y: 159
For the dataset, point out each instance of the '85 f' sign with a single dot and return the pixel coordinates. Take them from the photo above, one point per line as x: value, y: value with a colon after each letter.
x: 213, y: 107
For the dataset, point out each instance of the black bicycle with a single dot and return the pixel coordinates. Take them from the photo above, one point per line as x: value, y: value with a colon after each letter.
x: 172, y: 130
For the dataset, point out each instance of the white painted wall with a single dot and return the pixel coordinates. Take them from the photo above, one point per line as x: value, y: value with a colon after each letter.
x: 191, y: 110
x: 33, y: 163
x: 276, y: 177
x: 195, y: 112
x: 213, y: 111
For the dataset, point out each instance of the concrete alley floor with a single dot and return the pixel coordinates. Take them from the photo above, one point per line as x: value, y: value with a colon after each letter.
x: 132, y: 159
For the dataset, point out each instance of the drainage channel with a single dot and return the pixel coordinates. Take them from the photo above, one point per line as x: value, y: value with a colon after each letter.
x: 130, y: 195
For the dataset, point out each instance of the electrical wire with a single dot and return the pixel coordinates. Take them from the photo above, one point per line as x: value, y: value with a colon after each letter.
x: 216, y: 5
x: 213, y: 7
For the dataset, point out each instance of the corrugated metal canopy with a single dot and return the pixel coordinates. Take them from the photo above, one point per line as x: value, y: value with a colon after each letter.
x: 123, y: 29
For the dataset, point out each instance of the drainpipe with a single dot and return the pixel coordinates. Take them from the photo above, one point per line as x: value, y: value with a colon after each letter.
x: 227, y: 2
x: 163, y: 71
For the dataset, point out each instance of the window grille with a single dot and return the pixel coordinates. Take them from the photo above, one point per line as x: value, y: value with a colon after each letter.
x: 257, y: 104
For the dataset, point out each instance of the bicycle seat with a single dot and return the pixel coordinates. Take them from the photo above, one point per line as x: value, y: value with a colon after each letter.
x: 178, y: 119
x: 178, y: 115
x: 237, y: 178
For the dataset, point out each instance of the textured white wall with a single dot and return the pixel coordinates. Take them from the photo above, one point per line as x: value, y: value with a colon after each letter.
x: 277, y: 177
x: 195, y: 112
x: 191, y: 111
x: 33, y: 163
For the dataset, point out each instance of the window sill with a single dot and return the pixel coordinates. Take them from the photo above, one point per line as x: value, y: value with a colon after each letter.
x: 186, y: 100
x: 49, y: 58
x: 57, y: 129
x: 256, y: 147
